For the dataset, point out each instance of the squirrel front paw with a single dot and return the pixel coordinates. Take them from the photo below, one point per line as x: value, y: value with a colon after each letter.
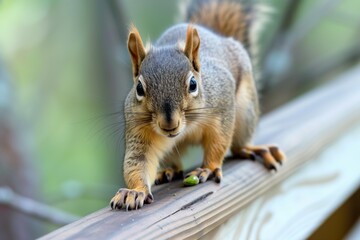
x: 205, y: 173
x: 130, y: 199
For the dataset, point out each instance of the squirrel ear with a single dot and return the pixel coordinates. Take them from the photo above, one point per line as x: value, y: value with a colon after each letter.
x: 136, y: 49
x: 192, y: 47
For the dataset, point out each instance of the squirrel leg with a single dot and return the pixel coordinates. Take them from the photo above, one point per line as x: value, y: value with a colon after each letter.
x: 171, y: 167
x: 271, y: 154
x: 215, y: 148
x: 139, y: 173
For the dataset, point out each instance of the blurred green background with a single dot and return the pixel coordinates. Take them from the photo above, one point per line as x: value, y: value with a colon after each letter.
x: 65, y: 71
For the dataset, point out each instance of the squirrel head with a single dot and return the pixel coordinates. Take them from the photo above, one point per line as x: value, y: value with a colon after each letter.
x: 167, y: 81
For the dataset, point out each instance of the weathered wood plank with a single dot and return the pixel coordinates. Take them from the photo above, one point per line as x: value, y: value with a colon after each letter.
x: 296, y: 207
x: 302, y: 128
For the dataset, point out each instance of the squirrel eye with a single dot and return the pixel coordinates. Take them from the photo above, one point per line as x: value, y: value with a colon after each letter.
x: 140, y: 90
x: 192, y: 84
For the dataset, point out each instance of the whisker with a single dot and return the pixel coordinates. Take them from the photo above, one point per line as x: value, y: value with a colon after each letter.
x: 177, y: 150
x: 202, y: 123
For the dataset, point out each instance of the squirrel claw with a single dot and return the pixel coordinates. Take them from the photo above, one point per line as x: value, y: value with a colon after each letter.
x: 149, y: 199
x: 129, y: 199
x: 272, y: 168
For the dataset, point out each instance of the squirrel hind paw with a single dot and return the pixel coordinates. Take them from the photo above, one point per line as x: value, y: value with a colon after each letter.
x: 168, y: 175
x: 271, y: 155
x: 205, y: 174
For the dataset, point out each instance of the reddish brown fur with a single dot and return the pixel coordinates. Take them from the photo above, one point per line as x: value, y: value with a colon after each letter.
x: 192, y: 47
x: 226, y: 18
x: 136, y: 49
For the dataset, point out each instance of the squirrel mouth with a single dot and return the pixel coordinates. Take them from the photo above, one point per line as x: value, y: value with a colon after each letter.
x: 172, y: 135
x: 169, y: 132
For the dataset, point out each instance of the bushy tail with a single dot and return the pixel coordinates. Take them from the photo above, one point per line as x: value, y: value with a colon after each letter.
x: 231, y: 19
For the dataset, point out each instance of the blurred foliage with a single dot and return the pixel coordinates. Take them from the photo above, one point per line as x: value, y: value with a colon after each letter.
x: 51, y: 51
x: 339, y: 30
x: 55, y: 56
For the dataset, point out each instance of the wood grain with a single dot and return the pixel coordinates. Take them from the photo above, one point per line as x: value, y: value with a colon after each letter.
x: 303, y: 128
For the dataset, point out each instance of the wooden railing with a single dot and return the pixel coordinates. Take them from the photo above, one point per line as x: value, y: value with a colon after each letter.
x: 302, y: 128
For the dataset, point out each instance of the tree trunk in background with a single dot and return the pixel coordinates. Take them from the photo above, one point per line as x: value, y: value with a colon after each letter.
x: 16, y: 170
x: 117, y: 70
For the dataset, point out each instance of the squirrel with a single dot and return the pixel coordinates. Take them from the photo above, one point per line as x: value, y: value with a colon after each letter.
x: 194, y: 86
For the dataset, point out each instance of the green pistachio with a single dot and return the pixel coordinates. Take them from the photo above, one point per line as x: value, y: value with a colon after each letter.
x: 191, y: 181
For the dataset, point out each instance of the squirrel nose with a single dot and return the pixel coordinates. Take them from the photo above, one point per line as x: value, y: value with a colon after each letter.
x: 169, y: 126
